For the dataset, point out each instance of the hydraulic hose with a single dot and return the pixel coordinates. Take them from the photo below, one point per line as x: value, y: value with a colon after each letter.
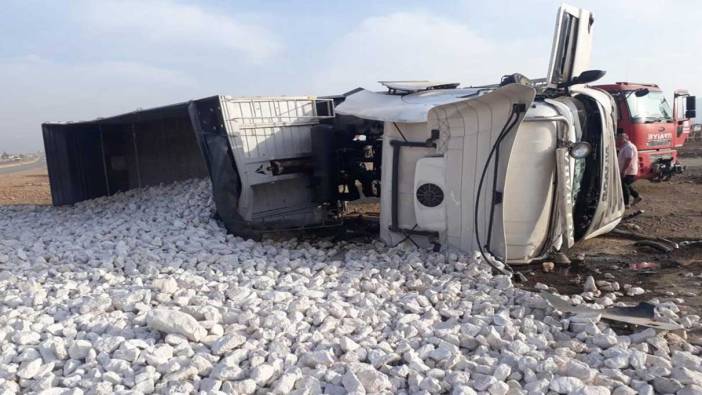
x: 506, y: 129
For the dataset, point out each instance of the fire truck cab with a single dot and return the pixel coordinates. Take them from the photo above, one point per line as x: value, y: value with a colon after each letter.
x: 653, y: 126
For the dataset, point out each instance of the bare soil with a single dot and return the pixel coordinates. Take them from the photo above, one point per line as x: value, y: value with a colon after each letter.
x: 671, y: 210
x: 29, y: 186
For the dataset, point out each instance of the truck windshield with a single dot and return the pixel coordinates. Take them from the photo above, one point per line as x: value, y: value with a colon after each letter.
x: 649, y: 108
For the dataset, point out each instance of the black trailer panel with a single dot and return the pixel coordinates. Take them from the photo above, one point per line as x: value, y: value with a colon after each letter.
x: 104, y: 156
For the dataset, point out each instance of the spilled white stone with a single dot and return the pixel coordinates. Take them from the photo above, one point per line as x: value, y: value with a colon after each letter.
x: 145, y: 292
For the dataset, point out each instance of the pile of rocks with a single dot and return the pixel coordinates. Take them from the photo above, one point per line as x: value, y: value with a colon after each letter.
x: 145, y: 292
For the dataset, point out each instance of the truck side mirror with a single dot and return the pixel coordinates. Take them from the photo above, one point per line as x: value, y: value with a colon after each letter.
x: 641, y: 92
x: 585, y: 77
x: 690, y: 105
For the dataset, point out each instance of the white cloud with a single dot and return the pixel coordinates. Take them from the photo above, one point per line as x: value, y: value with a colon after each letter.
x: 113, y: 56
x: 166, y: 25
x: 627, y: 43
x: 649, y: 41
x: 40, y: 90
x: 418, y: 45
x: 125, y: 55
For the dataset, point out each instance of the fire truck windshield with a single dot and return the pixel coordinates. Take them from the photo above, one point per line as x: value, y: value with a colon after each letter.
x: 652, y: 107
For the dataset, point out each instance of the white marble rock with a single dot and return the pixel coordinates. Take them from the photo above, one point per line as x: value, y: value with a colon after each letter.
x: 145, y: 292
x: 175, y: 322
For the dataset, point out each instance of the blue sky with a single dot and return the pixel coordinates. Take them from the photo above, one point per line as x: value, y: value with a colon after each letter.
x: 81, y: 59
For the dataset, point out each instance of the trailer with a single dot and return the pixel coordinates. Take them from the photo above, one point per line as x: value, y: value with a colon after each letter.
x: 519, y: 170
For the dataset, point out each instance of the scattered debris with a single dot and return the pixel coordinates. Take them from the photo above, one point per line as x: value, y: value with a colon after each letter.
x: 655, y: 245
x: 560, y: 258
x: 608, y: 286
x: 633, y: 215
x: 548, y: 267
x: 642, y: 314
x: 633, y: 291
x: 643, y: 266
x: 629, y: 226
x: 640, y: 237
x: 590, y: 285
x: 688, y: 243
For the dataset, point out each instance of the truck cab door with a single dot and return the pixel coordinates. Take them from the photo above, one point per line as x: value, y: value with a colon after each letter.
x: 683, y: 110
x: 572, y: 45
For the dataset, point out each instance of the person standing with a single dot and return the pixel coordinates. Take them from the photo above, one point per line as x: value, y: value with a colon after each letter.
x: 628, y: 158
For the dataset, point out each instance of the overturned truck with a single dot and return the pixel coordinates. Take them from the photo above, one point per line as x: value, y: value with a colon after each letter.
x: 520, y: 170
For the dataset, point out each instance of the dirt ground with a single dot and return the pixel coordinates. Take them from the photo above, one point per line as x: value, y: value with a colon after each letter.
x: 671, y: 210
x: 30, y: 186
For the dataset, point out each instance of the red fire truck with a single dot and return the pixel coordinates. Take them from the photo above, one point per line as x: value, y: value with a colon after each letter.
x: 655, y: 128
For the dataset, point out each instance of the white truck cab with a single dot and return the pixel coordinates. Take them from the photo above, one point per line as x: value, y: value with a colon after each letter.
x: 504, y: 169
